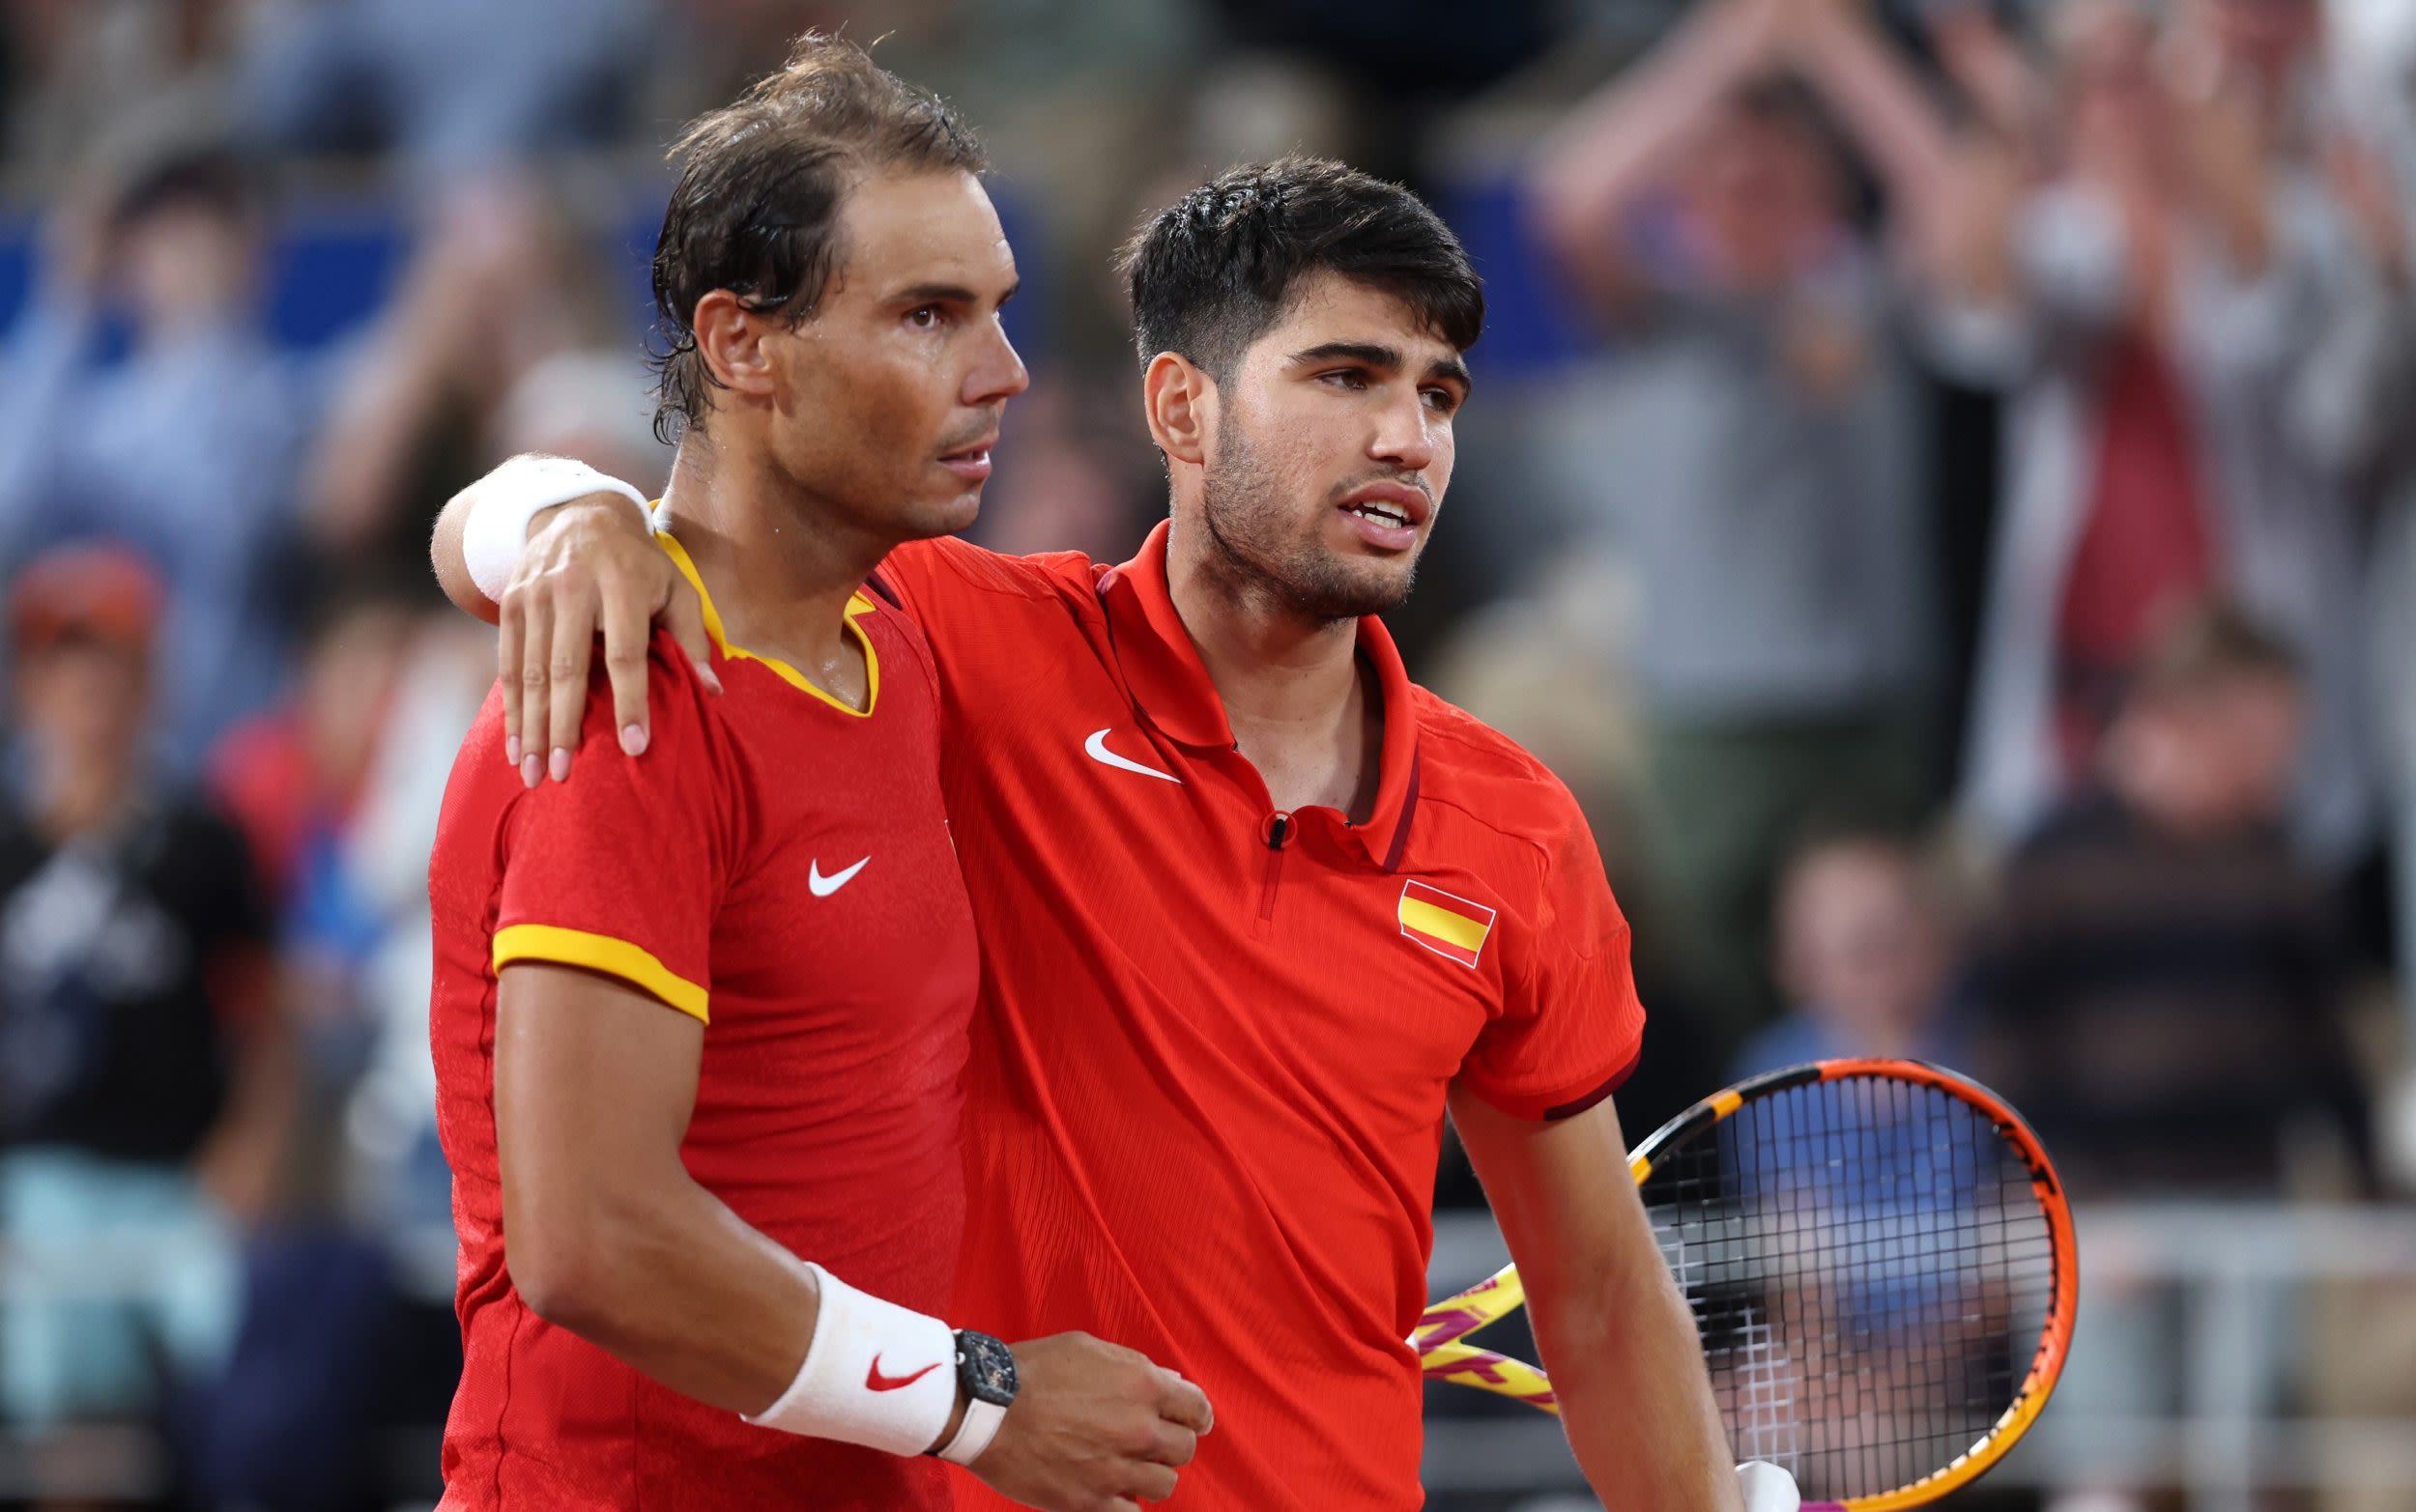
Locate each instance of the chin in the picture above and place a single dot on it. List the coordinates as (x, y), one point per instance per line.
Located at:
(945, 517)
(1349, 591)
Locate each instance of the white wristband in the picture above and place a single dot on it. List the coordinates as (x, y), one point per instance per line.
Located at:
(1767, 1487)
(511, 495)
(877, 1374)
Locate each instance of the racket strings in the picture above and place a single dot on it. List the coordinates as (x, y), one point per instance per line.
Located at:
(1871, 1272)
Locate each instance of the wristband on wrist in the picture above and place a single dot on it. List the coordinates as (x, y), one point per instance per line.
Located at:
(876, 1374)
(512, 495)
(1767, 1487)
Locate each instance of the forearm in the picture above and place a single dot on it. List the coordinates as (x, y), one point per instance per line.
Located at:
(1615, 1335)
(671, 1282)
(1628, 1373)
(1996, 76)
(1610, 148)
(1893, 122)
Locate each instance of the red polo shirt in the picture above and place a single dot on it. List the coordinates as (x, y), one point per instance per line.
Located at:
(1207, 1083)
(777, 867)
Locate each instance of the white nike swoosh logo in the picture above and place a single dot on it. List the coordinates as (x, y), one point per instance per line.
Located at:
(824, 886)
(1096, 748)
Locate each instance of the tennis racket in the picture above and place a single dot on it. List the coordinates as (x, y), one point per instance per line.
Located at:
(1879, 1261)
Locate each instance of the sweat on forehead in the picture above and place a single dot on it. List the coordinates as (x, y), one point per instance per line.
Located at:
(1214, 271)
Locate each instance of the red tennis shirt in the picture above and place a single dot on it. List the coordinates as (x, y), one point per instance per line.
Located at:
(1206, 1092)
(776, 866)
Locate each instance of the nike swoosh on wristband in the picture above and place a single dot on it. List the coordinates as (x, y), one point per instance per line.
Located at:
(875, 1381)
(1096, 748)
(823, 886)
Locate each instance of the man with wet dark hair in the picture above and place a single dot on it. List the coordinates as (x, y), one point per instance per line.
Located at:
(698, 1025)
(1256, 909)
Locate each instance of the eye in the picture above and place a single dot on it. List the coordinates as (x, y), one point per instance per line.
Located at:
(1441, 400)
(1347, 378)
(926, 317)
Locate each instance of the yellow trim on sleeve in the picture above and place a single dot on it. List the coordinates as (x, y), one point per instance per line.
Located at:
(857, 605)
(1453, 929)
(549, 942)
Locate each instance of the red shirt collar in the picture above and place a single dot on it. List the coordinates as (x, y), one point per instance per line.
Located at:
(1171, 688)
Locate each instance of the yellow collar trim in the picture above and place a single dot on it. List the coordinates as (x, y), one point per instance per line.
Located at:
(857, 605)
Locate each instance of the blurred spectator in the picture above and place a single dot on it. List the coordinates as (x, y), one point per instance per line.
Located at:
(339, 787)
(1863, 947)
(448, 84)
(503, 281)
(2159, 986)
(141, 1069)
(342, 784)
(185, 448)
(2185, 316)
(1761, 468)
(2378, 63)
(79, 68)
(595, 406)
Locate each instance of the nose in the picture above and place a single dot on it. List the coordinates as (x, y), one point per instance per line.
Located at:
(998, 373)
(1404, 437)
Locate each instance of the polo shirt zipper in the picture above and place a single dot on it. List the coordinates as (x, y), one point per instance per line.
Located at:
(1279, 830)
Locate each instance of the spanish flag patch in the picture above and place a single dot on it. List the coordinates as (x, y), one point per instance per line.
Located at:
(1445, 923)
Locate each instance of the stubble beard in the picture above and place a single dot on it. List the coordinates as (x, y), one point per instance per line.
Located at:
(1245, 505)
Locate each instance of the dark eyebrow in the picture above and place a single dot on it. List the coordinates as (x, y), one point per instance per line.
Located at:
(1454, 370)
(948, 294)
(1369, 353)
(1376, 354)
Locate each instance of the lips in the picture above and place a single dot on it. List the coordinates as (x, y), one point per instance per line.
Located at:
(1391, 506)
(970, 463)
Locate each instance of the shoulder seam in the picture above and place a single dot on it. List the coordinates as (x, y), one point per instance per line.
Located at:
(1034, 581)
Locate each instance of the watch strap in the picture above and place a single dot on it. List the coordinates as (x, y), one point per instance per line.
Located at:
(973, 1434)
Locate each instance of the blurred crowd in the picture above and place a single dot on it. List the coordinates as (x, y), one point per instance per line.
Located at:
(1941, 491)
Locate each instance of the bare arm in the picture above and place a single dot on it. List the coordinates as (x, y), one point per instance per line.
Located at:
(359, 470)
(1895, 124)
(1618, 141)
(1997, 78)
(1613, 1330)
(610, 1237)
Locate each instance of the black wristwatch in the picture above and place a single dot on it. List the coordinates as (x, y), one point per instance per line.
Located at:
(985, 1375)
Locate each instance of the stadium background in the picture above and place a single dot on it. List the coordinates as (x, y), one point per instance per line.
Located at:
(279, 275)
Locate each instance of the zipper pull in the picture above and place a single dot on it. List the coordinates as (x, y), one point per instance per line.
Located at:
(1279, 830)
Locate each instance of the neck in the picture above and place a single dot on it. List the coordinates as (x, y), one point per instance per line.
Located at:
(779, 561)
(1270, 664)
(79, 793)
(1291, 685)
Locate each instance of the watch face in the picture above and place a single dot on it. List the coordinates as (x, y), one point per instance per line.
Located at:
(987, 1368)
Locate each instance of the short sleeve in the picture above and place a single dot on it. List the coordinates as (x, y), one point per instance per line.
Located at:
(621, 869)
(1571, 1028)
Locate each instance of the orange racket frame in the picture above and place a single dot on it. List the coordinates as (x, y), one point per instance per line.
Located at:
(1440, 1337)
